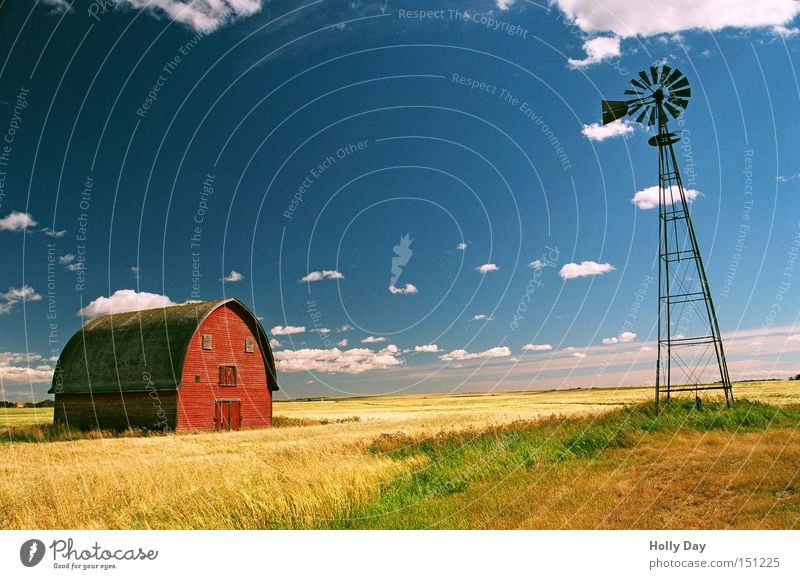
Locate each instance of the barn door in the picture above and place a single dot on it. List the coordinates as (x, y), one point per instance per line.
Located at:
(228, 414)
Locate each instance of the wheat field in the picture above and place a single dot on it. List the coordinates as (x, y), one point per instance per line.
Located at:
(294, 476)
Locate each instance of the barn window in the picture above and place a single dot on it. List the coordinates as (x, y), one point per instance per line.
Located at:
(248, 345)
(227, 375)
(206, 341)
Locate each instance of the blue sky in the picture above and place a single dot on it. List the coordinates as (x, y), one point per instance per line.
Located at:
(280, 152)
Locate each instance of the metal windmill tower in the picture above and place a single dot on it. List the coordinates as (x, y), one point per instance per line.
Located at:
(690, 353)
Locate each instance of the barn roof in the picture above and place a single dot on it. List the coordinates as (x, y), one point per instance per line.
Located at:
(140, 351)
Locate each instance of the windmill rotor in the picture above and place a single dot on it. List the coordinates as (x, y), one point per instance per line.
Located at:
(658, 93)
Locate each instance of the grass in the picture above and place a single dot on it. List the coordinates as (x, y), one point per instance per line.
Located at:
(10, 417)
(458, 462)
(452, 461)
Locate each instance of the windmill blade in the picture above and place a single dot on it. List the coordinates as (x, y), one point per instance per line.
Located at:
(673, 110)
(676, 74)
(652, 120)
(643, 76)
(679, 84)
(638, 84)
(613, 110)
(654, 74)
(665, 70)
(683, 92)
(682, 103)
(641, 117)
(631, 91)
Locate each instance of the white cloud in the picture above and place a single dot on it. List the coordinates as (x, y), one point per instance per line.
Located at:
(459, 355)
(287, 330)
(15, 296)
(233, 277)
(58, 6)
(274, 343)
(406, 289)
(649, 198)
(537, 347)
(321, 275)
(788, 178)
(598, 132)
(623, 338)
(203, 16)
(784, 31)
(321, 330)
(373, 340)
(342, 343)
(66, 259)
(487, 267)
(597, 50)
(125, 300)
(480, 317)
(462, 246)
(18, 368)
(344, 328)
(16, 221)
(429, 348)
(504, 4)
(536, 264)
(793, 338)
(579, 355)
(625, 18)
(334, 360)
(585, 268)
(53, 232)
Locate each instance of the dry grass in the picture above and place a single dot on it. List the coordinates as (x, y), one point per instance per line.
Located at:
(313, 468)
(10, 417)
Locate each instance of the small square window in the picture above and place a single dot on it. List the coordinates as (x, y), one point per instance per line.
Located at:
(197, 377)
(206, 341)
(248, 345)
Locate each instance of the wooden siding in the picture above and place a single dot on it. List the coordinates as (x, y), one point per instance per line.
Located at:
(229, 329)
(151, 410)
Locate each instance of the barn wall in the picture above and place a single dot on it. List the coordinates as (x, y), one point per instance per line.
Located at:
(150, 410)
(196, 399)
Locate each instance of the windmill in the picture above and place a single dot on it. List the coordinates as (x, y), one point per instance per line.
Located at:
(690, 352)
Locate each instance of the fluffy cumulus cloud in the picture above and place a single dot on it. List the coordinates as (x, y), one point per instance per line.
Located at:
(649, 198)
(338, 361)
(537, 347)
(623, 338)
(321, 275)
(373, 340)
(598, 132)
(14, 296)
(406, 289)
(17, 221)
(504, 4)
(126, 300)
(18, 368)
(583, 269)
(203, 16)
(487, 267)
(233, 277)
(597, 50)
(460, 355)
(287, 330)
(626, 19)
(428, 348)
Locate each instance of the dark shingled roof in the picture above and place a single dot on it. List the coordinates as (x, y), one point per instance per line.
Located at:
(140, 351)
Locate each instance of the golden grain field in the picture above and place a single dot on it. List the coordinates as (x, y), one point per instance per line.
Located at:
(282, 477)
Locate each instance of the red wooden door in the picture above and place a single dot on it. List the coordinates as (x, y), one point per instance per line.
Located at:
(228, 414)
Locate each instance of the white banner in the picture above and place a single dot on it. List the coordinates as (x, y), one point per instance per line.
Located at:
(400, 554)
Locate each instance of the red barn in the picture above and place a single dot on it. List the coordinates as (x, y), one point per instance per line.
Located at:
(200, 366)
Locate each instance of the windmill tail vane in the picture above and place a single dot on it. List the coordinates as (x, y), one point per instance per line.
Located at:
(691, 356)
